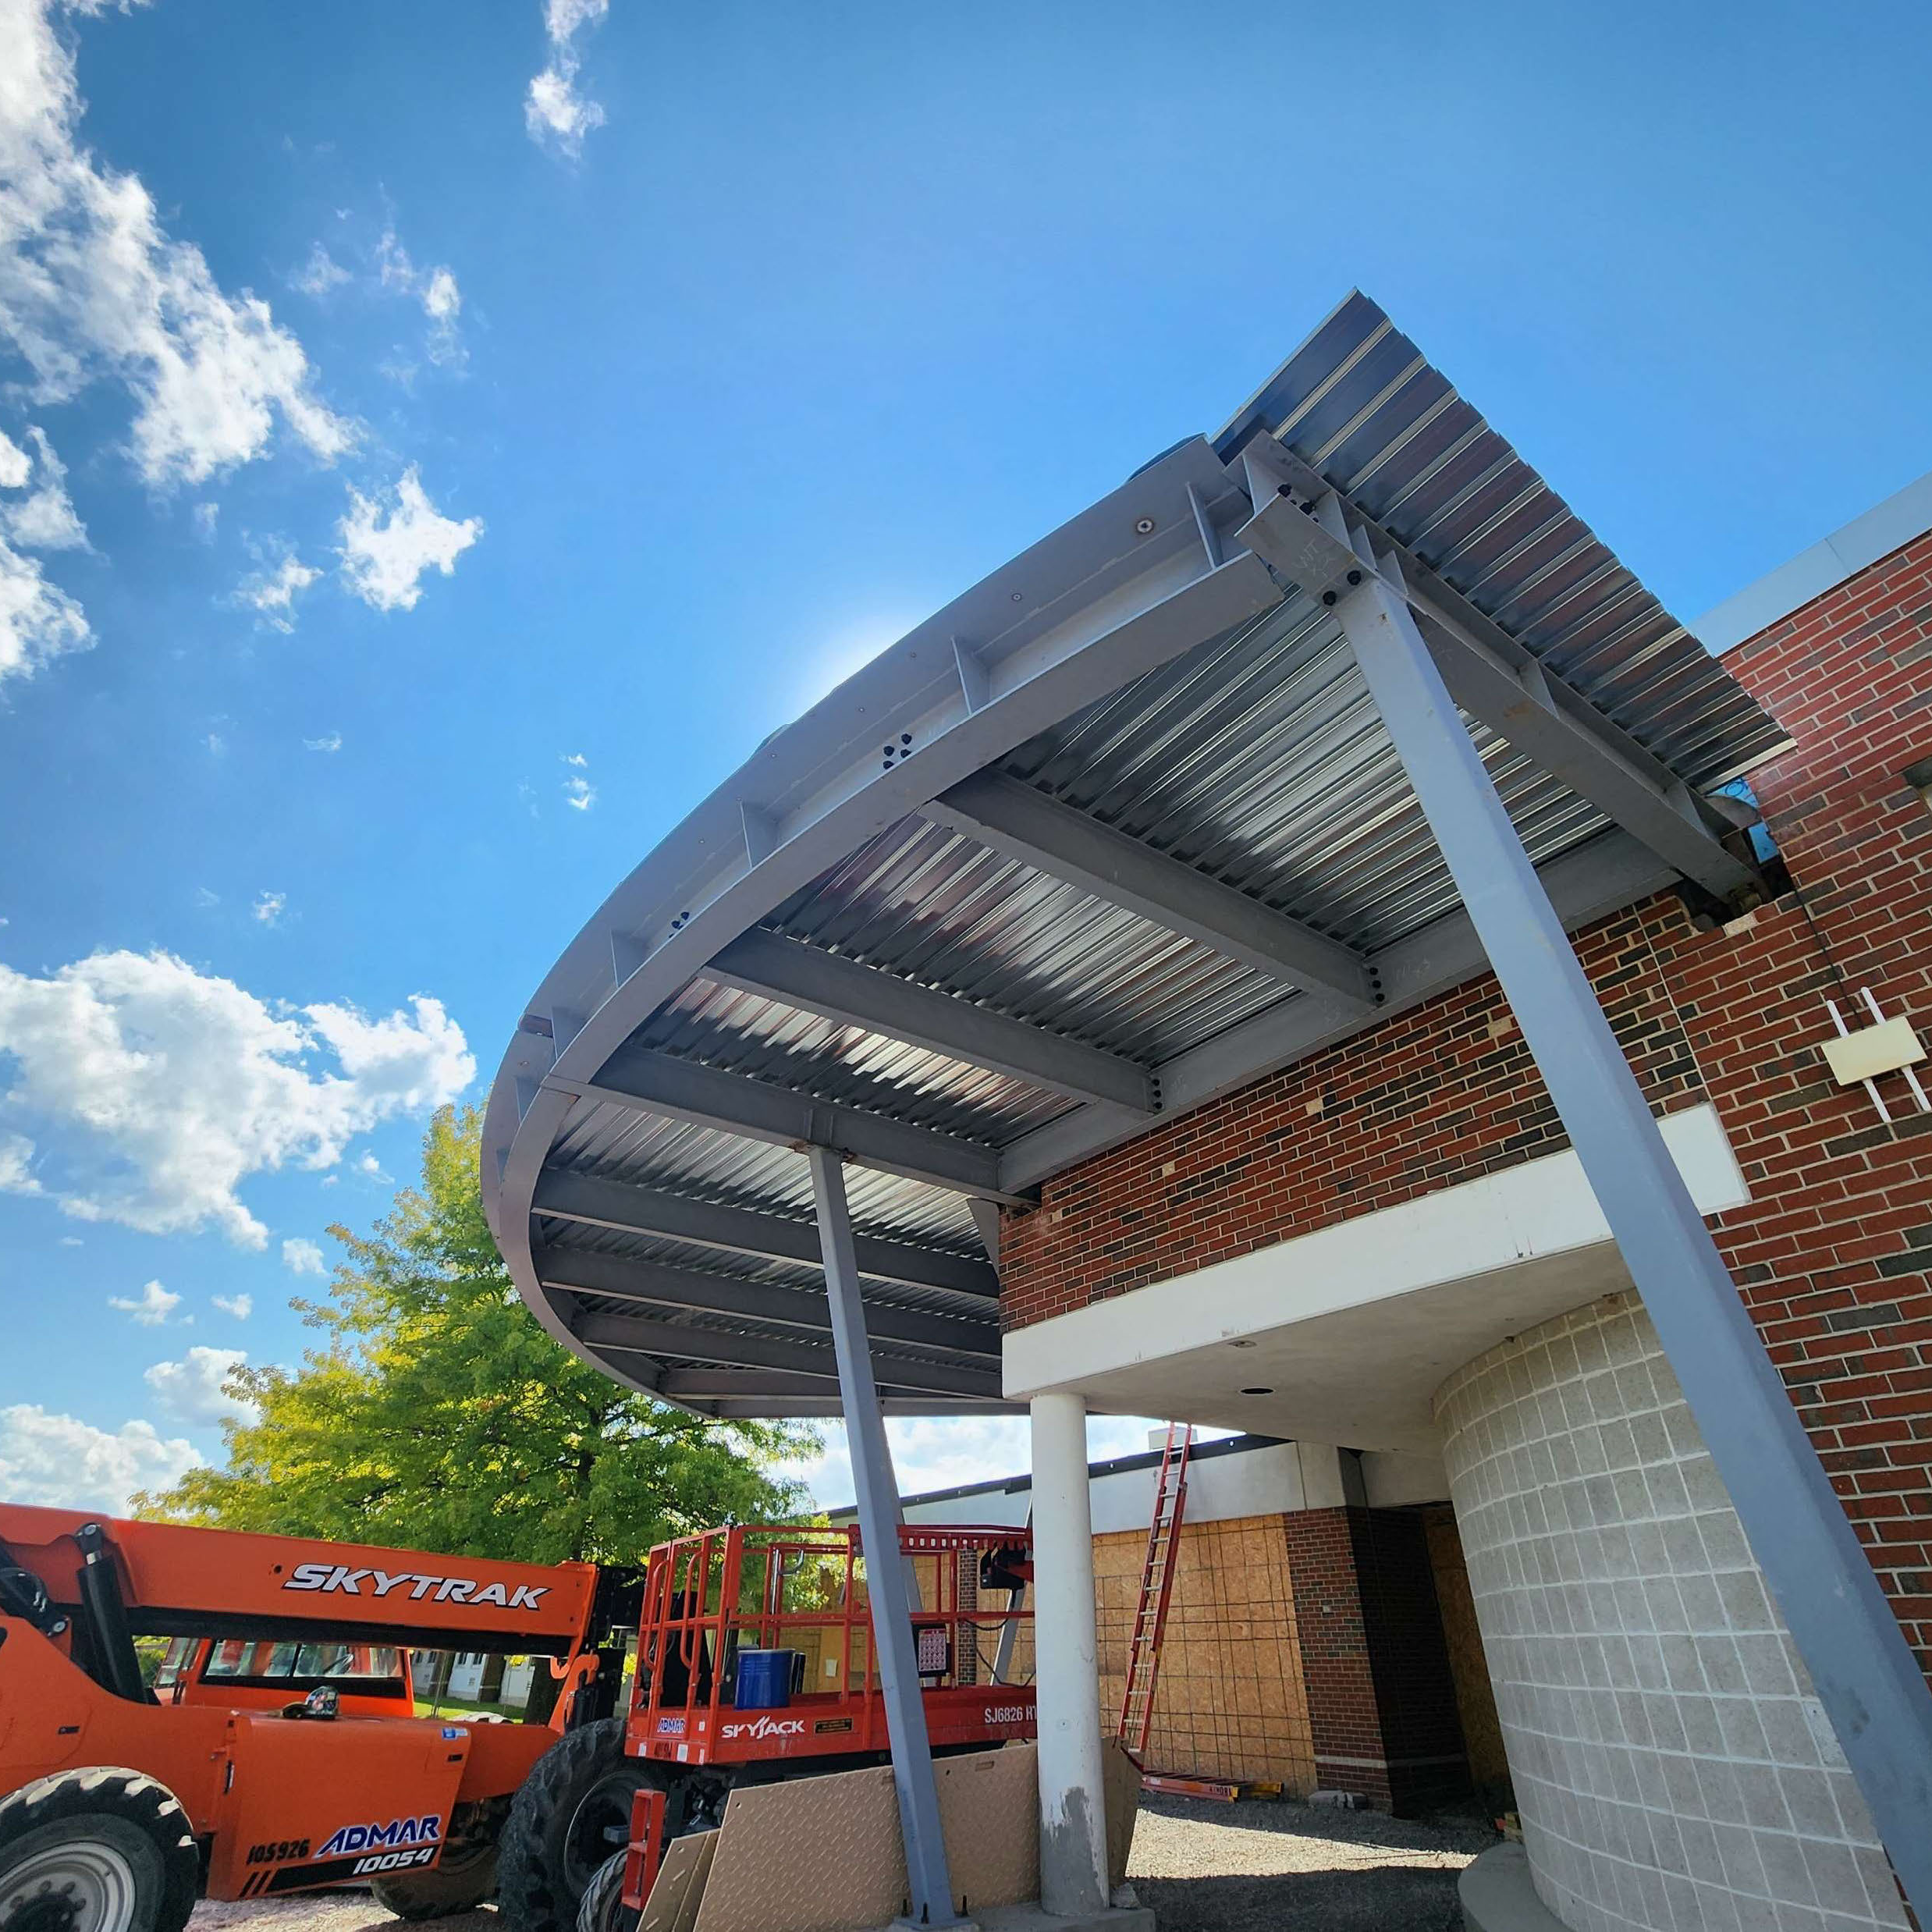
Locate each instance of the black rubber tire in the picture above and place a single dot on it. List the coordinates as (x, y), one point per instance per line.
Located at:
(561, 1824)
(603, 1908)
(465, 1876)
(124, 1812)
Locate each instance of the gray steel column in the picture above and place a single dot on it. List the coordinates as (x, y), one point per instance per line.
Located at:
(877, 1490)
(1863, 1670)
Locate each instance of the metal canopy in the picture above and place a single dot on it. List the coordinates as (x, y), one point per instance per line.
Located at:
(1117, 832)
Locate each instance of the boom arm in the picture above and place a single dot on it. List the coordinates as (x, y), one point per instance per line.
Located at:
(179, 1581)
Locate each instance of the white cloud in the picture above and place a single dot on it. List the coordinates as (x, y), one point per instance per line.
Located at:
(17, 1156)
(266, 910)
(329, 741)
(207, 516)
(271, 591)
(555, 114)
(387, 546)
(435, 288)
(579, 792)
(241, 1306)
(92, 287)
(369, 1164)
(44, 518)
(48, 1459)
(39, 621)
(153, 1307)
(320, 274)
(193, 1390)
(302, 1257)
(163, 1088)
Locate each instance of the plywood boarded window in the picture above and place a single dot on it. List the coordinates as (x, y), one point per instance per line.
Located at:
(1229, 1701)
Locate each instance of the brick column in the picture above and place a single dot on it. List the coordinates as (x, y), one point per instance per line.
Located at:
(1381, 1698)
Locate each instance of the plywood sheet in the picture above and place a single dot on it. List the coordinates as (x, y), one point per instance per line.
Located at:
(825, 1855)
(679, 1884)
(812, 1855)
(1120, 1800)
(1475, 1700)
(1229, 1701)
(989, 1810)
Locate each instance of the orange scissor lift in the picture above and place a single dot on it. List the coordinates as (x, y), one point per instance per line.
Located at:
(712, 1600)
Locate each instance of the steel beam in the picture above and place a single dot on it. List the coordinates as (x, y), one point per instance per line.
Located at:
(1864, 1672)
(928, 1879)
(617, 1278)
(599, 1203)
(1598, 878)
(1494, 678)
(810, 978)
(1069, 844)
(806, 1394)
(674, 1089)
(806, 1408)
(638, 1336)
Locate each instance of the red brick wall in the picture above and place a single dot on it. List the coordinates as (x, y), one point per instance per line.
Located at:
(1381, 1699)
(1345, 1724)
(1441, 1094)
(1834, 1255)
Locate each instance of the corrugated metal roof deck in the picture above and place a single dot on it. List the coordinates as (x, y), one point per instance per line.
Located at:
(1015, 812)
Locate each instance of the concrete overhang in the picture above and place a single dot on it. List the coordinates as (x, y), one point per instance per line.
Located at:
(1349, 1330)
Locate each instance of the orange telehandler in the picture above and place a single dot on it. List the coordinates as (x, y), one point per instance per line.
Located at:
(280, 1752)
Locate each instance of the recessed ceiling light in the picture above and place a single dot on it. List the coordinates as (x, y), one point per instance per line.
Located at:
(1257, 1391)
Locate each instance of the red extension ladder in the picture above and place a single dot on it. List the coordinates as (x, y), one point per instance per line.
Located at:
(1157, 1583)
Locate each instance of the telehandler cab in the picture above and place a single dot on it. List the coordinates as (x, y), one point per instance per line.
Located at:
(282, 1753)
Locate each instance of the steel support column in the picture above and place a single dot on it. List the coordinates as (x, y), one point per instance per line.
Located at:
(1859, 1663)
(929, 1884)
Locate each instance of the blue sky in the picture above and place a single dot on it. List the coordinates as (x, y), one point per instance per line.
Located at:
(709, 349)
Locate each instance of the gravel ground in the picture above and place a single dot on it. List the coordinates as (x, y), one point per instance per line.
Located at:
(324, 1912)
(1254, 1867)
(1260, 1864)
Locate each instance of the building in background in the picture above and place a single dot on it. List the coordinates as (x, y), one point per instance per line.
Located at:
(1237, 1682)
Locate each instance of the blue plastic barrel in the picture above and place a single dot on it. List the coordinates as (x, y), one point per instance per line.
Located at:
(765, 1679)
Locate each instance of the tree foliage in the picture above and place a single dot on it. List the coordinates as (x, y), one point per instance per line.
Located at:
(437, 1414)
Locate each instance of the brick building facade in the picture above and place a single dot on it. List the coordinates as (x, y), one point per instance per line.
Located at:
(1832, 1254)
(1671, 1762)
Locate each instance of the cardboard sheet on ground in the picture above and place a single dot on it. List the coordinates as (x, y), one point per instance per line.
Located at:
(824, 1854)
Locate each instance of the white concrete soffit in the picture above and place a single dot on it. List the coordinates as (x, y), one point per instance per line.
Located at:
(1603, 721)
(1357, 1310)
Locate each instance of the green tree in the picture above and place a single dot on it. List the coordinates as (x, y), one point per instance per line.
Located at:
(438, 1414)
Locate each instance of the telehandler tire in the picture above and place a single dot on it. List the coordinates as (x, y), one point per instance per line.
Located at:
(463, 1878)
(97, 1850)
(603, 1908)
(572, 1811)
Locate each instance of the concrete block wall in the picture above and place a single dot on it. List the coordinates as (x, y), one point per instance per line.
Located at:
(1672, 1767)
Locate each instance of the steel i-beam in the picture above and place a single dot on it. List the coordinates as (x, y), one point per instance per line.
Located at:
(928, 1879)
(1860, 1665)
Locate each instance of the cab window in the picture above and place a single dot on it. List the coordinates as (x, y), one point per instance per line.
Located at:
(373, 1669)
